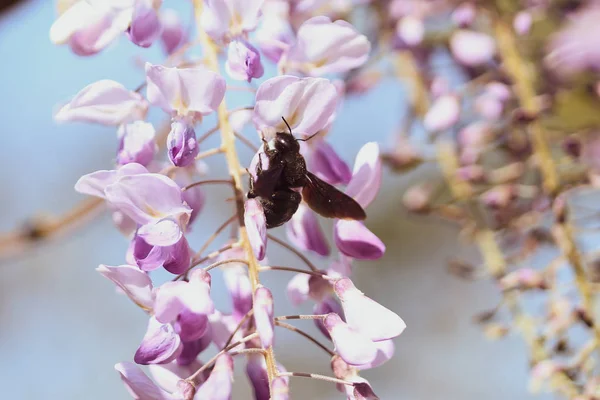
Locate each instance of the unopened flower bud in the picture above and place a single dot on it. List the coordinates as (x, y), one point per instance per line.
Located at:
(137, 143)
(185, 390)
(522, 22)
(145, 25)
(472, 48)
(524, 279)
(263, 316)
(173, 33)
(464, 14)
(181, 143)
(418, 198)
(243, 61)
(443, 113)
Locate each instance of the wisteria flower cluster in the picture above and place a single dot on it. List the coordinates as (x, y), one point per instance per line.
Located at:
(156, 188)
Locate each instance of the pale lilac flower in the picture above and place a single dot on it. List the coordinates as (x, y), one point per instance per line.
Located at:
(326, 306)
(464, 14)
(324, 47)
(256, 225)
(385, 351)
(182, 147)
(219, 384)
(240, 119)
(354, 347)
(186, 305)
(145, 25)
(472, 48)
(139, 385)
(160, 344)
(136, 143)
(304, 231)
(298, 289)
(173, 34)
(170, 376)
(136, 284)
(366, 315)
(256, 369)
(222, 327)
(306, 103)
(238, 283)
(174, 258)
(522, 22)
(224, 20)
(411, 30)
(576, 47)
(191, 349)
(88, 26)
(355, 240)
(327, 164)
(273, 36)
(184, 91)
(363, 391)
(155, 202)
(263, 316)
(104, 102)
(93, 184)
(443, 113)
(243, 61)
(281, 389)
(366, 175)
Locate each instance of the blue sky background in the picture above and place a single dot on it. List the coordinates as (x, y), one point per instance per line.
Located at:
(63, 327)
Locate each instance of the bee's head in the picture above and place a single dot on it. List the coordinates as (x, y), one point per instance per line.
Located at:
(285, 141)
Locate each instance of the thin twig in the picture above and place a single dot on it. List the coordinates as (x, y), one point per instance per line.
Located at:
(306, 335)
(316, 376)
(298, 270)
(208, 182)
(239, 326)
(306, 316)
(224, 262)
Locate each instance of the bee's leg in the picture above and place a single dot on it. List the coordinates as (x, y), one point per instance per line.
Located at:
(251, 193)
(259, 169)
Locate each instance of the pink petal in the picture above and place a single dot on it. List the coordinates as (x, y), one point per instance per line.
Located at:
(193, 348)
(165, 232)
(168, 375)
(173, 33)
(366, 175)
(239, 288)
(281, 389)
(363, 391)
(263, 316)
(145, 25)
(243, 61)
(138, 384)
(354, 347)
(306, 103)
(326, 306)
(136, 284)
(147, 257)
(137, 143)
(184, 90)
(385, 351)
(443, 113)
(297, 289)
(226, 19)
(304, 231)
(182, 146)
(274, 32)
(218, 386)
(472, 48)
(355, 240)
(160, 344)
(324, 47)
(327, 165)
(256, 225)
(148, 198)
(178, 257)
(94, 184)
(104, 102)
(191, 326)
(366, 315)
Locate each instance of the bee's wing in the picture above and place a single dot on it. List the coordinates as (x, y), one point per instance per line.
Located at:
(330, 202)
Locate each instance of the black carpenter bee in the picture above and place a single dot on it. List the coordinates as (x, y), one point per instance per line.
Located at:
(278, 186)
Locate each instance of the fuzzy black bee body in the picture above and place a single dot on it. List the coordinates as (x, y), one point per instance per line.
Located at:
(278, 186)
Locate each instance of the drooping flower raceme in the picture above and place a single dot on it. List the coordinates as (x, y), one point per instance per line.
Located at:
(154, 193)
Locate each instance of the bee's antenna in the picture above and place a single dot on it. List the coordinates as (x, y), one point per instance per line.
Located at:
(288, 125)
(308, 138)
